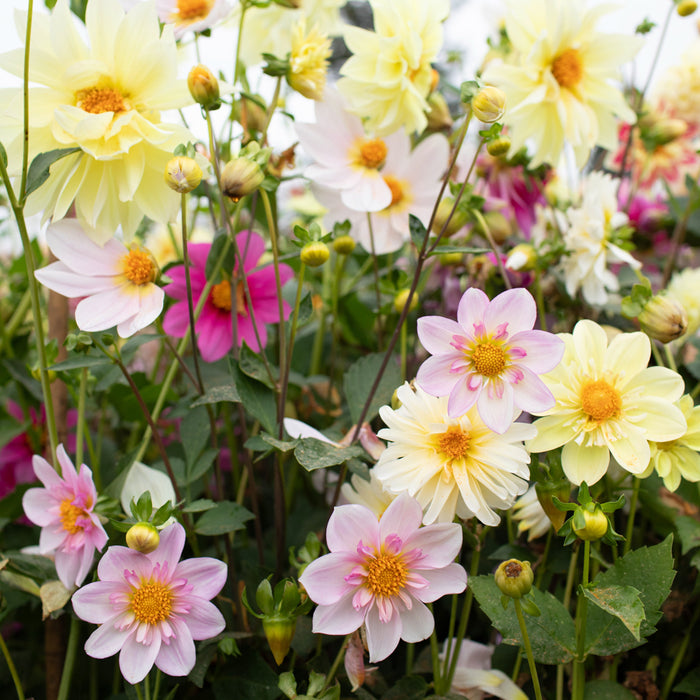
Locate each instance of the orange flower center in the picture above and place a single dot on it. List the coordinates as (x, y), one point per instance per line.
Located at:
(489, 359)
(396, 189)
(194, 9)
(98, 100)
(221, 295)
(600, 401)
(453, 443)
(152, 603)
(68, 514)
(567, 68)
(386, 575)
(371, 153)
(139, 267)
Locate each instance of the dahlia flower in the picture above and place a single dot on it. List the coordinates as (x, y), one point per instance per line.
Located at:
(116, 284)
(64, 509)
(683, 287)
(452, 466)
(381, 573)
(308, 61)
(213, 327)
(678, 90)
(489, 357)
(104, 98)
(389, 75)
(530, 515)
(558, 78)
(191, 15)
(607, 402)
(151, 607)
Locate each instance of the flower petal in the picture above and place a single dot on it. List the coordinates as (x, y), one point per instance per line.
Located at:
(446, 581)
(417, 623)
(587, 464)
(324, 578)
(348, 526)
(204, 619)
(92, 602)
(206, 574)
(106, 640)
(436, 334)
(178, 657)
(382, 637)
(136, 659)
(339, 618)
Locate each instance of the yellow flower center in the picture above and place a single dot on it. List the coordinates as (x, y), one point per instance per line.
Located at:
(68, 514)
(98, 100)
(152, 603)
(489, 359)
(221, 295)
(139, 267)
(396, 189)
(453, 443)
(386, 575)
(371, 153)
(599, 400)
(194, 9)
(567, 68)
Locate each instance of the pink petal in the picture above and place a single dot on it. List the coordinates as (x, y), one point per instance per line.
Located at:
(206, 574)
(92, 604)
(37, 504)
(72, 567)
(178, 657)
(349, 525)
(150, 305)
(446, 581)
(60, 278)
(136, 660)
(543, 350)
(464, 395)
(72, 246)
(204, 619)
(402, 517)
(106, 641)
(471, 309)
(339, 618)
(198, 252)
(436, 334)
(439, 543)
(46, 474)
(382, 637)
(176, 320)
(52, 537)
(251, 247)
(118, 559)
(417, 623)
(106, 309)
(495, 411)
(172, 542)
(324, 578)
(214, 334)
(514, 307)
(531, 393)
(435, 376)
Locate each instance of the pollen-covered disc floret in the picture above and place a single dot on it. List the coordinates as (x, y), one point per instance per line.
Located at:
(381, 573)
(151, 606)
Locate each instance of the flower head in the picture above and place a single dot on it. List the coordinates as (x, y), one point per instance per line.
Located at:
(489, 357)
(451, 465)
(530, 515)
(105, 100)
(151, 607)
(558, 78)
(116, 283)
(191, 15)
(308, 61)
(683, 287)
(607, 402)
(213, 327)
(381, 573)
(64, 509)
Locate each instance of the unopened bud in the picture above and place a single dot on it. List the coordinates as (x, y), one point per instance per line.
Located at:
(521, 258)
(434, 79)
(439, 117)
(450, 259)
(667, 130)
(182, 174)
(498, 147)
(143, 537)
(241, 176)
(344, 245)
(314, 254)
(514, 578)
(663, 318)
(499, 227)
(452, 225)
(402, 297)
(489, 104)
(204, 87)
(279, 632)
(595, 523)
(686, 7)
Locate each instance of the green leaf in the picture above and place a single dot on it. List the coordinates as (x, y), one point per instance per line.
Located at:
(39, 168)
(215, 251)
(417, 230)
(195, 431)
(80, 361)
(621, 601)
(201, 466)
(356, 321)
(219, 394)
(250, 676)
(259, 401)
(199, 506)
(252, 365)
(689, 532)
(606, 690)
(690, 684)
(316, 454)
(552, 634)
(359, 379)
(650, 571)
(3, 154)
(225, 517)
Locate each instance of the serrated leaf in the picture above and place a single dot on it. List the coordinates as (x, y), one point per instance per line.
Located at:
(39, 168)
(218, 394)
(54, 595)
(417, 230)
(359, 379)
(316, 454)
(688, 532)
(607, 690)
(227, 516)
(215, 251)
(195, 431)
(199, 506)
(252, 365)
(622, 602)
(552, 634)
(259, 401)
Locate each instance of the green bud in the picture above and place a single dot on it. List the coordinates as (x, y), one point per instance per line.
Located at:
(686, 7)
(590, 524)
(344, 245)
(279, 632)
(663, 318)
(241, 176)
(514, 578)
(401, 298)
(314, 254)
(489, 104)
(143, 537)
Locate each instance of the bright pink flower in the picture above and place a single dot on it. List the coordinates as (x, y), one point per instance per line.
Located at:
(70, 529)
(381, 573)
(489, 356)
(213, 327)
(151, 607)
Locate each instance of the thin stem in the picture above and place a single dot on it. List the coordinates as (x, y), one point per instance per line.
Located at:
(680, 654)
(579, 678)
(435, 656)
(377, 292)
(336, 663)
(80, 427)
(630, 522)
(494, 248)
(69, 662)
(528, 649)
(25, 104)
(271, 110)
(13, 669)
(156, 689)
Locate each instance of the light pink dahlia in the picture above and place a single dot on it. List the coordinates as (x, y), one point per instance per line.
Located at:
(70, 529)
(151, 607)
(381, 573)
(490, 356)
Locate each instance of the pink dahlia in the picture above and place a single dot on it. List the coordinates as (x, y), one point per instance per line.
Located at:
(489, 356)
(213, 327)
(64, 509)
(151, 607)
(381, 573)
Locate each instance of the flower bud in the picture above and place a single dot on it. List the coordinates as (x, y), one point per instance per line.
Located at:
(686, 7)
(596, 523)
(663, 318)
(521, 258)
(204, 87)
(344, 245)
(434, 79)
(514, 578)
(450, 259)
(314, 254)
(279, 632)
(498, 147)
(499, 227)
(182, 174)
(457, 221)
(241, 176)
(439, 117)
(666, 130)
(401, 298)
(489, 104)
(143, 537)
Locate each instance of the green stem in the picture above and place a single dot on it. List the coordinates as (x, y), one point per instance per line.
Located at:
(15, 321)
(680, 654)
(630, 522)
(25, 105)
(11, 666)
(336, 663)
(377, 292)
(80, 427)
(271, 110)
(579, 677)
(69, 662)
(404, 350)
(528, 649)
(435, 656)
(516, 666)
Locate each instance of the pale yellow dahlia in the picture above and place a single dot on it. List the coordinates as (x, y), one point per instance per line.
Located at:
(679, 458)
(308, 61)
(559, 78)
(389, 76)
(607, 402)
(683, 287)
(104, 98)
(678, 91)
